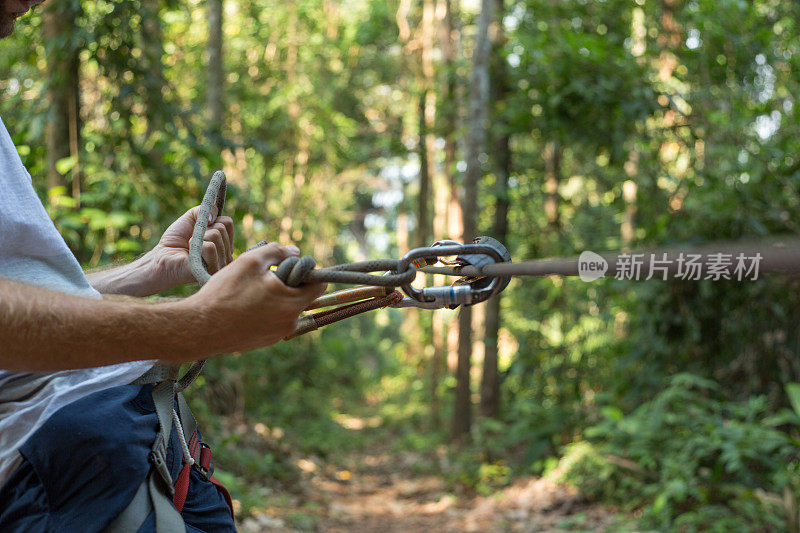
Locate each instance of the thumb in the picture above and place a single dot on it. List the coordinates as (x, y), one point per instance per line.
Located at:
(270, 255)
(192, 214)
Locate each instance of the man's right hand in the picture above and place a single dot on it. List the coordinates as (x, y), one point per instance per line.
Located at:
(247, 306)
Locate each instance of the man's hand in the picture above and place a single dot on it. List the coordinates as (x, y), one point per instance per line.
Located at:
(170, 257)
(247, 303)
(167, 265)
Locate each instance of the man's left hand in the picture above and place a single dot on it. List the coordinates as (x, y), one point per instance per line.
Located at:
(170, 257)
(167, 265)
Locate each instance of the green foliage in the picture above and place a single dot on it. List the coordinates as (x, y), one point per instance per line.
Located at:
(693, 460)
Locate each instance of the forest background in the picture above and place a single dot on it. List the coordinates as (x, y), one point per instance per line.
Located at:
(359, 129)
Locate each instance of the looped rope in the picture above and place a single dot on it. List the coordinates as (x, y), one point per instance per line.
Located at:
(191, 374)
(215, 195)
(294, 271)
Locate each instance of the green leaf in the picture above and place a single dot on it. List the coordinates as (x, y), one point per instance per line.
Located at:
(612, 413)
(793, 390)
(65, 165)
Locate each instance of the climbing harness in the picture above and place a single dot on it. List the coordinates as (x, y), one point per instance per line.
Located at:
(158, 493)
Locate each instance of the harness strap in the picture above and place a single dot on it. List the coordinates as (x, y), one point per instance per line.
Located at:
(157, 374)
(163, 397)
(200, 454)
(225, 494)
(152, 494)
(187, 420)
(134, 515)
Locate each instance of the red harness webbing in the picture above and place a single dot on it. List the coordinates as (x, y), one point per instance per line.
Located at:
(204, 462)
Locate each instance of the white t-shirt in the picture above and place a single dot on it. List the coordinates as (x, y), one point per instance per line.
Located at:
(33, 252)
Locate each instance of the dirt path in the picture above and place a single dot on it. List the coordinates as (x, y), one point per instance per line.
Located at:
(379, 492)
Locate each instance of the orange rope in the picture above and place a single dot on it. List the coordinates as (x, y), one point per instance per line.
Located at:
(329, 316)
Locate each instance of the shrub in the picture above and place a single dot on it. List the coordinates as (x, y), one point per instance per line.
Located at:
(692, 461)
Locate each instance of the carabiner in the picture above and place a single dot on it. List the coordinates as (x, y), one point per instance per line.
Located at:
(485, 250)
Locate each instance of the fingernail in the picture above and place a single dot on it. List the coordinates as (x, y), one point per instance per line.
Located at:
(210, 218)
(293, 249)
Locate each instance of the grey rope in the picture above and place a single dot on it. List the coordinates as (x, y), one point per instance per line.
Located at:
(294, 271)
(215, 194)
(779, 255)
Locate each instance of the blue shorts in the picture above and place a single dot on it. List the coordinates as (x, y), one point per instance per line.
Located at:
(83, 466)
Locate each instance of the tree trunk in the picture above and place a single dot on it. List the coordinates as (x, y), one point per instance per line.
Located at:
(490, 383)
(153, 47)
(476, 149)
(446, 206)
(450, 38)
(62, 132)
(450, 108)
(293, 109)
(552, 174)
(216, 76)
(427, 118)
(424, 196)
(430, 186)
(629, 192)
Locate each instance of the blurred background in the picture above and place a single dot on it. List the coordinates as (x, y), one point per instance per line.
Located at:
(358, 129)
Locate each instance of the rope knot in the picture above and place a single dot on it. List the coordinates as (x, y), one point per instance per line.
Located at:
(293, 270)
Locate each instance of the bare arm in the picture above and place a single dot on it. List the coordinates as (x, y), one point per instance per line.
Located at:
(132, 279)
(243, 307)
(47, 330)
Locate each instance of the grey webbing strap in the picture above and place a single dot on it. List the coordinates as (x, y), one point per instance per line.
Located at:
(152, 494)
(148, 498)
(135, 514)
(157, 374)
(163, 398)
(161, 372)
(168, 519)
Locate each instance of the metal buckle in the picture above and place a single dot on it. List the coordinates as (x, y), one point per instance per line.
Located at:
(465, 292)
(203, 471)
(157, 458)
